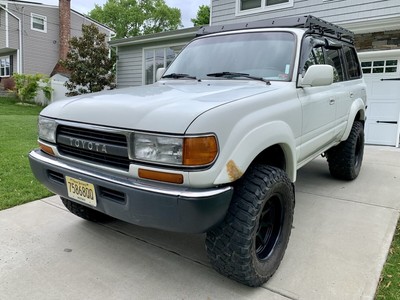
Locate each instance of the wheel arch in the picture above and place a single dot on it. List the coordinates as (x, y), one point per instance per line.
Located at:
(278, 149)
(357, 113)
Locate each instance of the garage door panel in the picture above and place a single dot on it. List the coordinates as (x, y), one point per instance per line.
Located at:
(384, 89)
(381, 134)
(383, 110)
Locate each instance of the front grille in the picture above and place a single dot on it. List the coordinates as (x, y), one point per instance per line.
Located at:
(100, 147)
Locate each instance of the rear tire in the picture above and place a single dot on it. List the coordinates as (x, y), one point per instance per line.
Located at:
(85, 212)
(249, 244)
(346, 158)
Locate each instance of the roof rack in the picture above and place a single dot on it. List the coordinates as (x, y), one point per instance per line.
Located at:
(311, 23)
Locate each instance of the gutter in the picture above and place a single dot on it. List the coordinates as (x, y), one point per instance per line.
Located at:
(143, 39)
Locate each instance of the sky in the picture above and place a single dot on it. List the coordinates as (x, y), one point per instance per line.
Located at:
(188, 7)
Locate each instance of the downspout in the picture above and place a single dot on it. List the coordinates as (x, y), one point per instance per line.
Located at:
(19, 50)
(211, 10)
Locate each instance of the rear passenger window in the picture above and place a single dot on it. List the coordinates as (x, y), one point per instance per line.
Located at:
(332, 57)
(352, 64)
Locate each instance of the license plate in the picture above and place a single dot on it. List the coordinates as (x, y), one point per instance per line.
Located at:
(81, 191)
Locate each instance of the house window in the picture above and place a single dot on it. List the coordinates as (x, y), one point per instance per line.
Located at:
(257, 5)
(5, 69)
(158, 58)
(379, 66)
(38, 23)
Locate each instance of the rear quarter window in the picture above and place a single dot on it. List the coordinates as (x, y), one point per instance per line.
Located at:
(352, 64)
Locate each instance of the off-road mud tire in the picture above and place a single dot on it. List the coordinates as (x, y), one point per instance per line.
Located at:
(346, 158)
(262, 207)
(85, 212)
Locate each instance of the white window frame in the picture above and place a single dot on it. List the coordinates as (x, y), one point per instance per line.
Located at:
(165, 58)
(7, 58)
(44, 18)
(384, 67)
(263, 7)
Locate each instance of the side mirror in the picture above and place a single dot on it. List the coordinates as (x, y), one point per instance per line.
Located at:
(317, 75)
(160, 72)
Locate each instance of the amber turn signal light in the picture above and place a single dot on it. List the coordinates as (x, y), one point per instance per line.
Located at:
(161, 176)
(46, 149)
(199, 151)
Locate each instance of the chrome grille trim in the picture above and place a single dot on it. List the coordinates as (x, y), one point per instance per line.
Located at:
(94, 144)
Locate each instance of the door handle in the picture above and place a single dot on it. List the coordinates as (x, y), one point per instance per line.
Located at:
(331, 101)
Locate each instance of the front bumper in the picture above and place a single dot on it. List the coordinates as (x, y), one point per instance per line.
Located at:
(162, 206)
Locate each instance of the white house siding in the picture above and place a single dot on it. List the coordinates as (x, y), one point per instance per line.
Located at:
(129, 66)
(224, 11)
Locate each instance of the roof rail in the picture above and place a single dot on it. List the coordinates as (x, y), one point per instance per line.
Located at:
(311, 23)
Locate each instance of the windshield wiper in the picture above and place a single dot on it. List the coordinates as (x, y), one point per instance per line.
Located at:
(178, 75)
(236, 74)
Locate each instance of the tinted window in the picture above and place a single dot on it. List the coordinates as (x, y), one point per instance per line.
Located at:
(352, 64)
(332, 57)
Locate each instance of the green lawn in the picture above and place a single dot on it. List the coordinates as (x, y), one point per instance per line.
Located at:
(389, 286)
(18, 135)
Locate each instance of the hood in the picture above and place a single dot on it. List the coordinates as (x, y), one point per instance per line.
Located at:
(167, 106)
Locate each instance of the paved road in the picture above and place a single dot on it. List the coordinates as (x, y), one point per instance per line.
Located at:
(341, 236)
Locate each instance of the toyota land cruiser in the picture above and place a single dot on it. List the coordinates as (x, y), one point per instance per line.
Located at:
(214, 146)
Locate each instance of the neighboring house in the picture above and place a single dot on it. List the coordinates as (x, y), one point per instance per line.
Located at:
(376, 24)
(34, 36)
(139, 57)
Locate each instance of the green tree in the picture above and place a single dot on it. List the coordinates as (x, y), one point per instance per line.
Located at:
(137, 17)
(88, 61)
(202, 17)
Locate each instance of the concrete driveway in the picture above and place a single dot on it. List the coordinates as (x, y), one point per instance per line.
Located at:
(341, 236)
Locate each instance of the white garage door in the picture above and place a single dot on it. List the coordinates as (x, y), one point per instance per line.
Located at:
(382, 76)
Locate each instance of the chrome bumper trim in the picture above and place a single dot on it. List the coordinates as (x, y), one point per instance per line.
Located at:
(183, 192)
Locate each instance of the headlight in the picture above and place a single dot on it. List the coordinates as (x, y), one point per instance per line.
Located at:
(47, 129)
(187, 151)
(158, 148)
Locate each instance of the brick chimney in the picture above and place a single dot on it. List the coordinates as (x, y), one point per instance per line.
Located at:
(64, 10)
(64, 7)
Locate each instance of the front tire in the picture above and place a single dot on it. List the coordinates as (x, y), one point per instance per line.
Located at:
(346, 158)
(249, 244)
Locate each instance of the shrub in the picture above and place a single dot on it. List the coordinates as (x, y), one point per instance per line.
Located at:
(28, 85)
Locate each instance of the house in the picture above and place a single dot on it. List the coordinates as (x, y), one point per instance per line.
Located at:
(34, 36)
(376, 24)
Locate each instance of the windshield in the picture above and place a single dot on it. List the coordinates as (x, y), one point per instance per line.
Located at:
(267, 55)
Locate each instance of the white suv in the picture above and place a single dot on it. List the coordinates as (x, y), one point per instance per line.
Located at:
(215, 144)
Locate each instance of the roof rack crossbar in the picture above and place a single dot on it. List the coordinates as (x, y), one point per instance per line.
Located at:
(311, 23)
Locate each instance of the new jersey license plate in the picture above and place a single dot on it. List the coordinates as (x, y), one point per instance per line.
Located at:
(81, 191)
